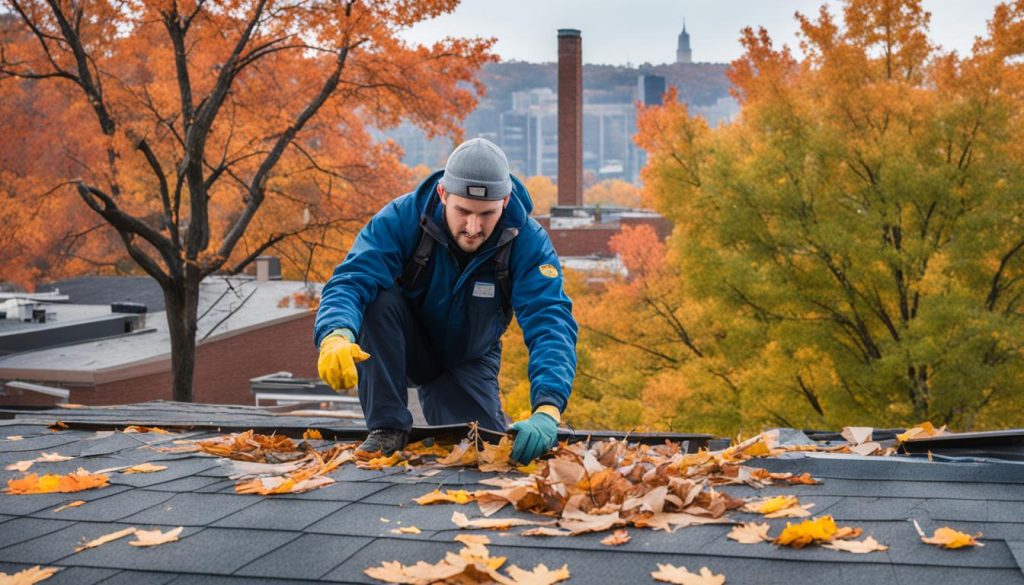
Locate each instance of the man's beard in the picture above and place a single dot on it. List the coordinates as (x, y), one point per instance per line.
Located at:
(470, 245)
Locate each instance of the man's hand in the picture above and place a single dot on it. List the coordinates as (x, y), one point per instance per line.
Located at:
(535, 435)
(337, 363)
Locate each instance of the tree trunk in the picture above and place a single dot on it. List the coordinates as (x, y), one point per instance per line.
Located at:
(182, 300)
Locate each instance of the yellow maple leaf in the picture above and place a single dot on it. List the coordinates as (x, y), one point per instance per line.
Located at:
(382, 462)
(920, 431)
(312, 434)
(450, 496)
(769, 505)
(421, 448)
(807, 532)
(681, 576)
(946, 537)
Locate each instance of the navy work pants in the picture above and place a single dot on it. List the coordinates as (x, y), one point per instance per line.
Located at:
(401, 356)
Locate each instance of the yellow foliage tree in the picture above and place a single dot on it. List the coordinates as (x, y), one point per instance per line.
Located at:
(853, 240)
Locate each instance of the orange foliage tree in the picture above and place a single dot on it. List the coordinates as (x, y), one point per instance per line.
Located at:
(203, 133)
(543, 193)
(856, 232)
(613, 192)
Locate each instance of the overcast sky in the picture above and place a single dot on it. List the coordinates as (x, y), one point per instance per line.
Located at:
(638, 31)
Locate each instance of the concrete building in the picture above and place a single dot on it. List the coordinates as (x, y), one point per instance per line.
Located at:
(116, 353)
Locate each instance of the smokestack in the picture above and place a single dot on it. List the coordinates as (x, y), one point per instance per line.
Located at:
(570, 117)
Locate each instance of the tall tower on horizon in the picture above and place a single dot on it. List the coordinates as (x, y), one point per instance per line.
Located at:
(683, 53)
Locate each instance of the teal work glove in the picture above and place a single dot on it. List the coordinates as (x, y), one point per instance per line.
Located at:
(535, 435)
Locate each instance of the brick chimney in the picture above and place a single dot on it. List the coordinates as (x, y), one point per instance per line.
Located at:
(570, 117)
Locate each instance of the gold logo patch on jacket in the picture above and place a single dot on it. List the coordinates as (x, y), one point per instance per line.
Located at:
(548, 270)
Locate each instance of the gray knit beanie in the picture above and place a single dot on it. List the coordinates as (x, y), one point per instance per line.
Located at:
(477, 169)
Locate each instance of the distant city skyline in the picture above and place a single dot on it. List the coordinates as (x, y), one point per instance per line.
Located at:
(648, 29)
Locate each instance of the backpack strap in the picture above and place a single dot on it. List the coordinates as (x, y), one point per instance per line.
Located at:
(503, 280)
(415, 269)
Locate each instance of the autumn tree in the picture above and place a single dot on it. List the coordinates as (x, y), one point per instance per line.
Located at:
(204, 134)
(612, 192)
(857, 230)
(543, 193)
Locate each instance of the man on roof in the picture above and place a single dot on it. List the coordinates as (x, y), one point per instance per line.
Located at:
(423, 298)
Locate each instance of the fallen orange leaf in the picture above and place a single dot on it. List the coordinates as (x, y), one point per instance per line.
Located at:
(472, 539)
(58, 426)
(72, 482)
(804, 478)
(406, 530)
(616, 538)
(920, 431)
(24, 466)
(946, 537)
(21, 466)
(462, 521)
(496, 457)
(546, 531)
(155, 537)
(867, 545)
(106, 538)
(750, 533)
(145, 468)
(540, 575)
(52, 458)
(312, 434)
(141, 429)
(74, 504)
(680, 576)
(28, 576)
(249, 446)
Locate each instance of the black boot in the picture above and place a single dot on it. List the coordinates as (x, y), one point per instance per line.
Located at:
(382, 443)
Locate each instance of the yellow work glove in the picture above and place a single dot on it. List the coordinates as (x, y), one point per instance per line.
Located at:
(337, 362)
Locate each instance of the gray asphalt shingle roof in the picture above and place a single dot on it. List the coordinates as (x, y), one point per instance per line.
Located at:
(335, 533)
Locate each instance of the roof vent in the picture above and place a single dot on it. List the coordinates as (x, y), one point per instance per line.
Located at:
(268, 268)
(128, 307)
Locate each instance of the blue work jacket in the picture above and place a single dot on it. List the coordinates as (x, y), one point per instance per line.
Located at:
(461, 310)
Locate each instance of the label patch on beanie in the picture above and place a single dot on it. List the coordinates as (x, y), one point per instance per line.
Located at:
(549, 271)
(476, 191)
